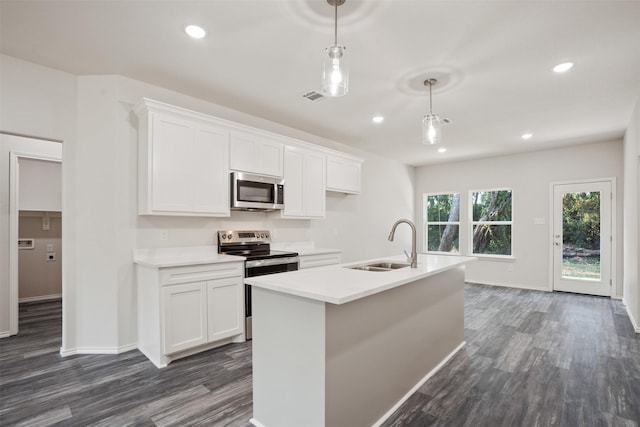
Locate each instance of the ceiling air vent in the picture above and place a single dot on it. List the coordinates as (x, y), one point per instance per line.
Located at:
(313, 96)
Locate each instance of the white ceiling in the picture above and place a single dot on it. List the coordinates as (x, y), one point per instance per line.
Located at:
(494, 59)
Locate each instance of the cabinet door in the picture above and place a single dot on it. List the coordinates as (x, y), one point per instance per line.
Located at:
(172, 157)
(294, 182)
(225, 308)
(211, 171)
(184, 316)
(305, 183)
(255, 154)
(270, 158)
(241, 152)
(343, 175)
(315, 184)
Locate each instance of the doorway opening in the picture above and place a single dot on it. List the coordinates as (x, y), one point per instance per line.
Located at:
(35, 234)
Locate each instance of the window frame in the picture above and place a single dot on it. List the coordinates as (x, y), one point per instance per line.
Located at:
(473, 224)
(426, 223)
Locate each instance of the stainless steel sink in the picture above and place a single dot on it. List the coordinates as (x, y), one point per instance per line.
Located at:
(380, 266)
(389, 265)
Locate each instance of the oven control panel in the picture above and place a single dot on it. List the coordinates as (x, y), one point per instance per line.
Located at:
(251, 236)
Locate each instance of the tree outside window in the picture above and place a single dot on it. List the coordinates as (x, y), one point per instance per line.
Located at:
(442, 222)
(491, 222)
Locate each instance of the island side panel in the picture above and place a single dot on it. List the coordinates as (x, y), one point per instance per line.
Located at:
(381, 346)
(288, 360)
(149, 327)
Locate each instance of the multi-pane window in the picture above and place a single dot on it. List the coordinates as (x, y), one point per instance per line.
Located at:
(442, 222)
(491, 222)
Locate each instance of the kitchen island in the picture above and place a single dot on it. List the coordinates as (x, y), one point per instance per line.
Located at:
(335, 346)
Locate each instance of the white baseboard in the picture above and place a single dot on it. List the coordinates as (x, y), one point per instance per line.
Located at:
(5, 334)
(509, 285)
(634, 322)
(40, 298)
(97, 350)
(415, 387)
(256, 423)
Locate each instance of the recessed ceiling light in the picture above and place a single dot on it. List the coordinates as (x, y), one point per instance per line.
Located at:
(377, 119)
(526, 135)
(563, 68)
(195, 31)
(442, 150)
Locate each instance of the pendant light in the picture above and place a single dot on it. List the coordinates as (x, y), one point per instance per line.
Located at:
(335, 76)
(431, 123)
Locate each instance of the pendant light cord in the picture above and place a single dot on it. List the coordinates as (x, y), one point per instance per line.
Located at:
(430, 103)
(335, 28)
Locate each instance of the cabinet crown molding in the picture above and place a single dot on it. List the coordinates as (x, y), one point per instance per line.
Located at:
(145, 105)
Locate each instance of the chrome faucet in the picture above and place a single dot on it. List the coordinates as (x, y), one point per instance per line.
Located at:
(413, 258)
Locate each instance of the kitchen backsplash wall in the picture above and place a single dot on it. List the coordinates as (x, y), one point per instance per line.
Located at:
(202, 231)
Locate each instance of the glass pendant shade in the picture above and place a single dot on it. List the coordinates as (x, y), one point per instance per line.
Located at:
(431, 129)
(335, 76)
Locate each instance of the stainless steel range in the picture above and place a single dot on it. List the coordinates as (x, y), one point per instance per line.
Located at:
(255, 246)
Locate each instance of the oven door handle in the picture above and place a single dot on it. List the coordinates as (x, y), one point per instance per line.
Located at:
(271, 261)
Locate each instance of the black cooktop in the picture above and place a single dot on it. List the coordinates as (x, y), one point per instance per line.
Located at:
(259, 254)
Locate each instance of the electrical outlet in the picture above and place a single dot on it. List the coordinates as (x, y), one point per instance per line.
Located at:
(164, 235)
(51, 256)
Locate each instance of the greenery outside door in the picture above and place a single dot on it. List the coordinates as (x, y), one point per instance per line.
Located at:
(582, 237)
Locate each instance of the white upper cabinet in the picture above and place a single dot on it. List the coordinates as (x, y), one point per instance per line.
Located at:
(183, 163)
(344, 174)
(305, 183)
(254, 153)
(184, 160)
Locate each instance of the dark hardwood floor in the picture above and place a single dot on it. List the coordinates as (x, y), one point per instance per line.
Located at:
(531, 359)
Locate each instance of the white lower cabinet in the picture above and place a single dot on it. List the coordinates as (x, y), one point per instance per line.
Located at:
(188, 309)
(185, 316)
(224, 308)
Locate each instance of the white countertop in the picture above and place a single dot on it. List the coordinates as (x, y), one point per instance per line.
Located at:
(338, 285)
(317, 251)
(304, 248)
(181, 256)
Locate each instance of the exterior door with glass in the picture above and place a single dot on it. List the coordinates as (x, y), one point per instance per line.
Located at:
(582, 237)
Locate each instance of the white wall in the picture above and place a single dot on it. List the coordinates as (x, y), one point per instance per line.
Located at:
(39, 102)
(529, 176)
(631, 217)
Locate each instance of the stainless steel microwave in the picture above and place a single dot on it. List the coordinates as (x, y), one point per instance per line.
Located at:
(256, 192)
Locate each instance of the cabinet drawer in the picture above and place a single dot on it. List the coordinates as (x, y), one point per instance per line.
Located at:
(174, 275)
